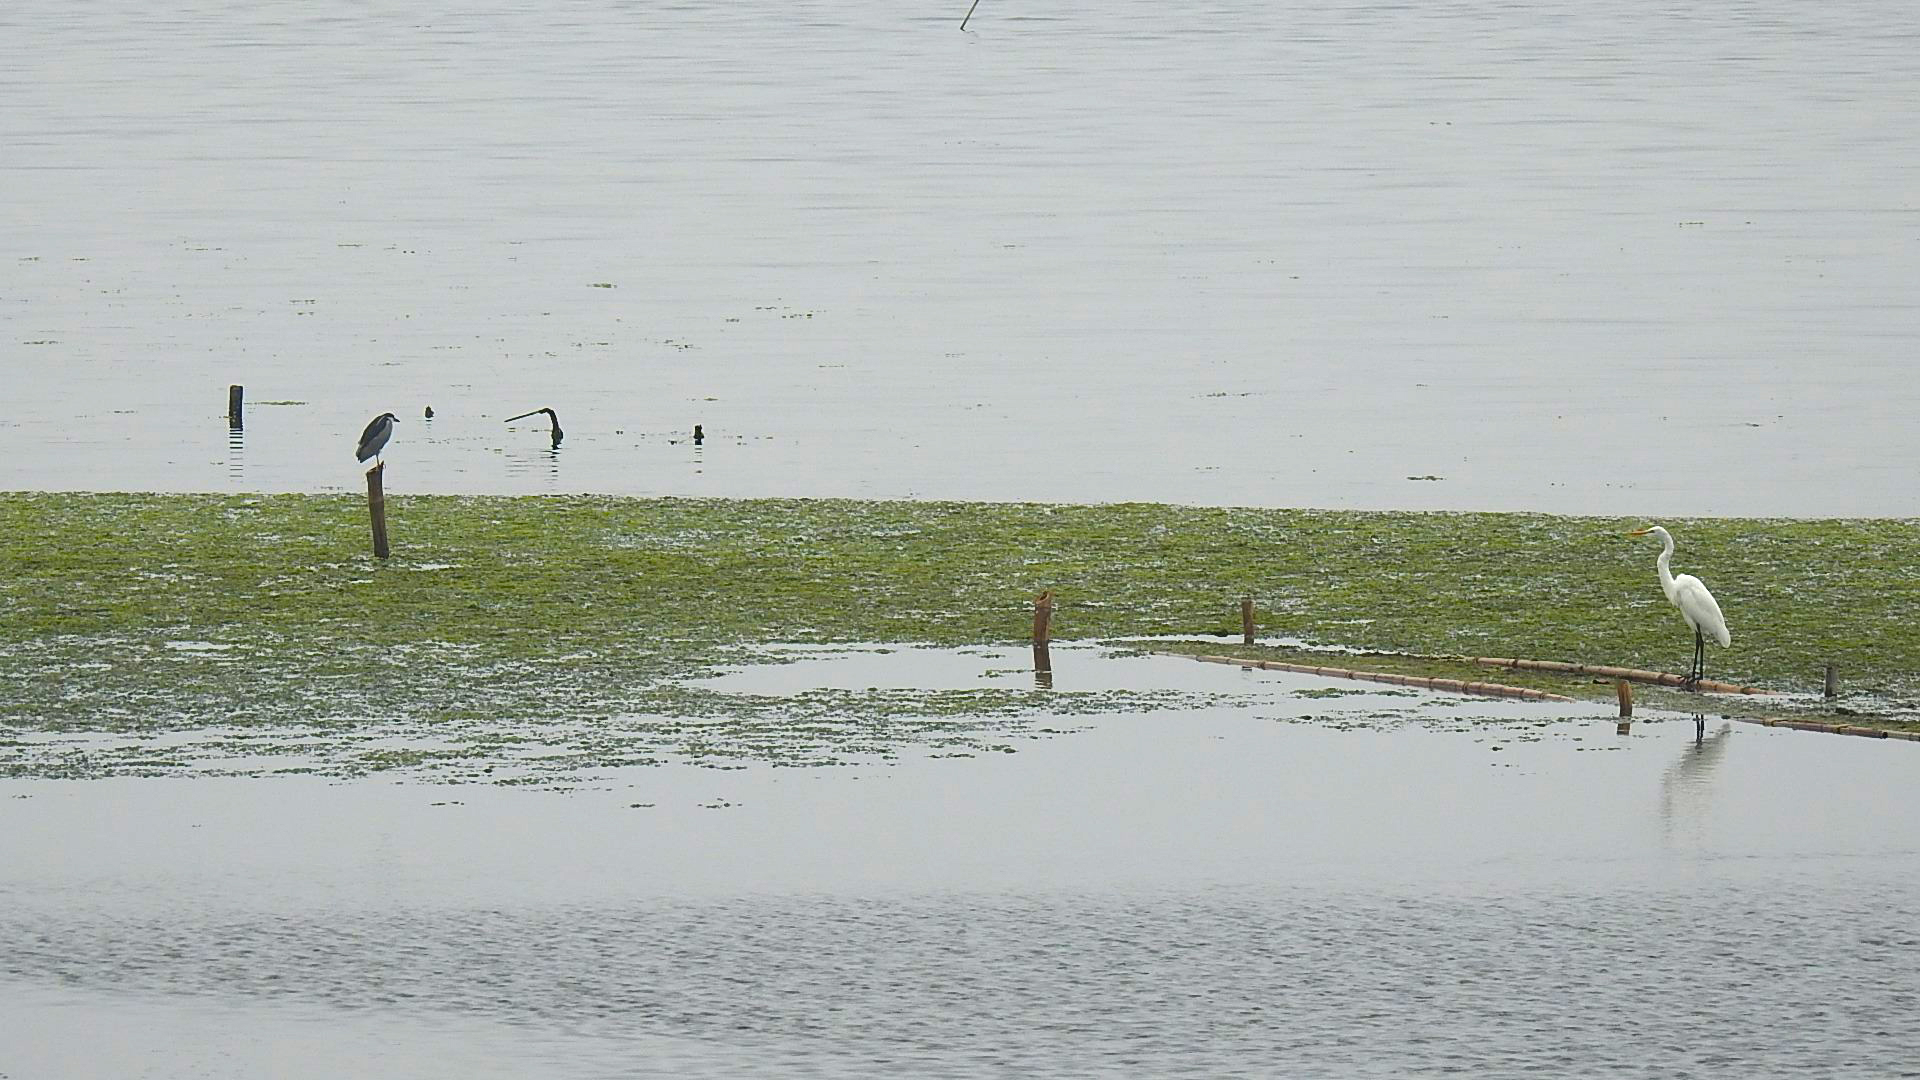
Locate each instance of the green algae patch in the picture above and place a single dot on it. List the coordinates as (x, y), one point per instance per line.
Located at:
(150, 614)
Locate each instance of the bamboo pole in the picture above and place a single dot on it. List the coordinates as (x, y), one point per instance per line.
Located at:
(377, 509)
(1042, 631)
(1246, 620)
(1457, 686)
(1658, 678)
(1830, 729)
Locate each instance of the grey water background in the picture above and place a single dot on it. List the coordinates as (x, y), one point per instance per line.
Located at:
(1202, 893)
(1635, 258)
(1315, 880)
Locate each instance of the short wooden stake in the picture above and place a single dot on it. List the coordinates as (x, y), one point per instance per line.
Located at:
(1042, 630)
(1623, 690)
(1624, 727)
(1833, 683)
(1246, 620)
(377, 509)
(236, 395)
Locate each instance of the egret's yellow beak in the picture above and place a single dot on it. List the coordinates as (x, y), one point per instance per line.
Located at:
(1639, 532)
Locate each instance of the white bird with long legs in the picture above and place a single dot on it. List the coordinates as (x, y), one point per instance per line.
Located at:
(1696, 605)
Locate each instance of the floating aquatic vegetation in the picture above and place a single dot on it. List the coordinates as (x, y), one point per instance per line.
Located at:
(142, 614)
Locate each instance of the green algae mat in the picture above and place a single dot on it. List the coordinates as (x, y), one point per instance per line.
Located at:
(519, 620)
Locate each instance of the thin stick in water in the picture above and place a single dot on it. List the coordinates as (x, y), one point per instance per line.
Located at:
(963, 22)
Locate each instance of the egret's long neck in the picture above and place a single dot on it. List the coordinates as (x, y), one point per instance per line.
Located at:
(1665, 563)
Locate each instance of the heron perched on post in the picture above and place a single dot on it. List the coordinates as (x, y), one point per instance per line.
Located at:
(1696, 605)
(376, 436)
(551, 415)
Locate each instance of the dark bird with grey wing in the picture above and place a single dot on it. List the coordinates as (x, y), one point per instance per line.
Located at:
(376, 436)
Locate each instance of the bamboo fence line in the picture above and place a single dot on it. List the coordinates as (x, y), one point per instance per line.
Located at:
(1458, 686)
(1658, 678)
(1830, 729)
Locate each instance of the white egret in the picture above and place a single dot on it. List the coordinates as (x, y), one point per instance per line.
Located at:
(376, 436)
(1696, 605)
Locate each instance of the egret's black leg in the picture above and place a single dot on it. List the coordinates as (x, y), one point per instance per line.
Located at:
(1699, 668)
(1699, 726)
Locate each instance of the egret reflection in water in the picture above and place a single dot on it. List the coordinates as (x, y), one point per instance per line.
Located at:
(1686, 788)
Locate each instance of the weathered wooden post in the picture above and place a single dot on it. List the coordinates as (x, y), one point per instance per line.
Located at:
(1042, 631)
(1833, 683)
(235, 397)
(377, 510)
(1623, 690)
(1246, 620)
(699, 436)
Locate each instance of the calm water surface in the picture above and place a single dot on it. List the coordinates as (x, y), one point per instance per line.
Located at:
(1214, 892)
(1633, 259)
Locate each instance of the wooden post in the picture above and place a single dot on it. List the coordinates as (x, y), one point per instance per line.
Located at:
(1246, 620)
(1623, 690)
(235, 395)
(1833, 683)
(1042, 629)
(377, 509)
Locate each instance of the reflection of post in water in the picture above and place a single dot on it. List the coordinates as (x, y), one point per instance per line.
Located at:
(531, 461)
(1042, 633)
(236, 453)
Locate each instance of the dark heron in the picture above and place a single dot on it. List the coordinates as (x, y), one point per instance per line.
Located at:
(376, 436)
(551, 415)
